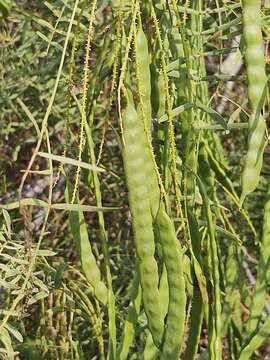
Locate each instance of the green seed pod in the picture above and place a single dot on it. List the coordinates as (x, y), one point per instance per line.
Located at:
(173, 260)
(135, 159)
(151, 352)
(88, 261)
(255, 64)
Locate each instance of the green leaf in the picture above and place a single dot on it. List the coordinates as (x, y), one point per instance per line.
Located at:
(212, 113)
(13, 331)
(57, 206)
(46, 253)
(29, 114)
(24, 202)
(175, 112)
(66, 160)
(40, 295)
(6, 341)
(84, 208)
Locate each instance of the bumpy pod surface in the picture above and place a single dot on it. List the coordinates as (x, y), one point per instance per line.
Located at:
(255, 63)
(136, 162)
(172, 257)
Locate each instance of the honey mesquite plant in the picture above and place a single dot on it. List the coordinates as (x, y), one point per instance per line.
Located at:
(134, 191)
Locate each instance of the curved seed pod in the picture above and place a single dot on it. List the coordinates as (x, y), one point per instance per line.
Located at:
(255, 63)
(88, 261)
(172, 257)
(136, 162)
(263, 272)
(151, 352)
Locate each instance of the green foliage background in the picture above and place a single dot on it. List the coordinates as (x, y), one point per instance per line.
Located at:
(49, 308)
